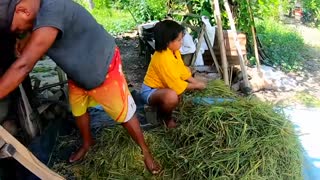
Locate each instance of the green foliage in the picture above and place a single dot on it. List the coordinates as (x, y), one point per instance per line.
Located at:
(201, 7)
(260, 8)
(283, 45)
(312, 7)
(82, 3)
(144, 10)
(307, 99)
(114, 21)
(102, 4)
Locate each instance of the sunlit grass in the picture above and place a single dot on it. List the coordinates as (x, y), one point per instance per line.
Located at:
(114, 21)
(307, 99)
(283, 45)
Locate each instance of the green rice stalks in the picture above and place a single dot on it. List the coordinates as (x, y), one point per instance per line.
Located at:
(242, 139)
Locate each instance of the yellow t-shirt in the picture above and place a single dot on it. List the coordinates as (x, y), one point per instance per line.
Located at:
(167, 70)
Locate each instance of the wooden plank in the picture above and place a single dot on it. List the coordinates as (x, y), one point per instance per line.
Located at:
(237, 44)
(27, 159)
(216, 10)
(229, 42)
(200, 38)
(254, 36)
(206, 37)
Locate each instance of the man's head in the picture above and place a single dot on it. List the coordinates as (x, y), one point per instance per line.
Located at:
(24, 15)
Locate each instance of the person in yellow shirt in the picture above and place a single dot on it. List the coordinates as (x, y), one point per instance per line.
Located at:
(167, 77)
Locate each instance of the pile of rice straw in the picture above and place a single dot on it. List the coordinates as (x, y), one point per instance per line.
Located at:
(240, 138)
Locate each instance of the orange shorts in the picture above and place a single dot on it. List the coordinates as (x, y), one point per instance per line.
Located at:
(113, 94)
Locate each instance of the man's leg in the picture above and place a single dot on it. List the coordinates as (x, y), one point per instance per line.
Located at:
(79, 101)
(116, 100)
(121, 107)
(83, 123)
(166, 100)
(134, 129)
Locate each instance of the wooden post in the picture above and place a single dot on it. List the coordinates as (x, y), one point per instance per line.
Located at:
(26, 158)
(200, 38)
(255, 44)
(206, 37)
(217, 13)
(237, 44)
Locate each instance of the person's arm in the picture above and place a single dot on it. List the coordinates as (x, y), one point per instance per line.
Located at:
(194, 84)
(21, 44)
(40, 41)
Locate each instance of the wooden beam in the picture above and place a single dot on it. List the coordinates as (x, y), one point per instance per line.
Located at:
(206, 37)
(224, 61)
(200, 38)
(254, 37)
(27, 159)
(237, 44)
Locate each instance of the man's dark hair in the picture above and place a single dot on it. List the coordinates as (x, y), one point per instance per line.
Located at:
(165, 32)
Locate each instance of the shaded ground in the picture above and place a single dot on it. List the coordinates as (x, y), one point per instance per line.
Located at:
(134, 65)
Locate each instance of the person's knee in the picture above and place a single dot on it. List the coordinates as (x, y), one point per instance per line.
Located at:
(170, 99)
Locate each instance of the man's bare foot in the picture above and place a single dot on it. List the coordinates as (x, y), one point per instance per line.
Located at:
(171, 123)
(152, 166)
(80, 154)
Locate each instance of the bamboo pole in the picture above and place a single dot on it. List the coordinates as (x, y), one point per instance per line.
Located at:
(200, 39)
(237, 44)
(206, 37)
(255, 44)
(216, 9)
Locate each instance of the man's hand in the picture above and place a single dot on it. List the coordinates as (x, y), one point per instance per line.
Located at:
(21, 44)
(40, 41)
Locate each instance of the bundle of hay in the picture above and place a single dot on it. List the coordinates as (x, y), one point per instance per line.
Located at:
(235, 139)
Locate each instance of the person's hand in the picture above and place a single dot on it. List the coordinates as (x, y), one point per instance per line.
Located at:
(201, 85)
(18, 49)
(21, 44)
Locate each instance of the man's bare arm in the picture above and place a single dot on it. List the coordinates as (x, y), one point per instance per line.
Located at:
(40, 41)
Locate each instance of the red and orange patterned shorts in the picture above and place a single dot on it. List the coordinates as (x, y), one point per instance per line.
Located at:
(113, 95)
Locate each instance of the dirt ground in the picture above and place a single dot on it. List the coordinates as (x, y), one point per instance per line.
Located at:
(134, 65)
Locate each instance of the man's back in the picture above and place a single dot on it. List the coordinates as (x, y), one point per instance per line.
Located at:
(83, 49)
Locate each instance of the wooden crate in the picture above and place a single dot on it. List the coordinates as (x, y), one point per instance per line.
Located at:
(231, 51)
